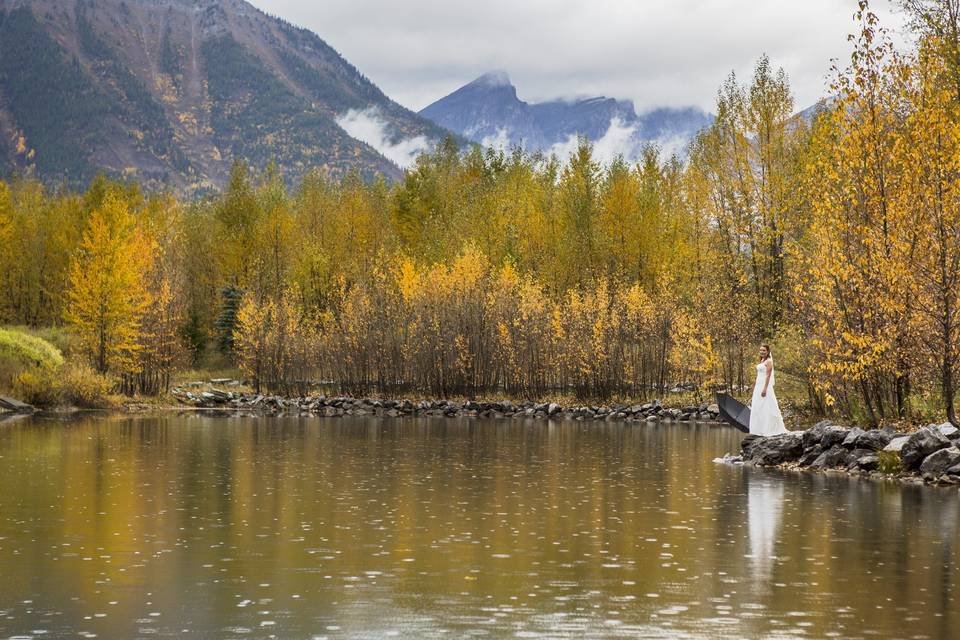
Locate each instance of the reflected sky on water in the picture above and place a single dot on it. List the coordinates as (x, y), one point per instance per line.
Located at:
(192, 526)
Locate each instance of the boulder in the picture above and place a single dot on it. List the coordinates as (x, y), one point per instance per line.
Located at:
(833, 436)
(713, 408)
(773, 450)
(896, 444)
(810, 455)
(920, 445)
(835, 456)
(813, 435)
(869, 462)
(855, 455)
(850, 441)
(939, 462)
(874, 439)
(949, 431)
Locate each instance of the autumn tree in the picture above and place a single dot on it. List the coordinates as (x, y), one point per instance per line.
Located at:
(107, 294)
(856, 290)
(930, 195)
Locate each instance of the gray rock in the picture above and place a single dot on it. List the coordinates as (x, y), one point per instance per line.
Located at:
(949, 431)
(874, 439)
(773, 450)
(835, 456)
(855, 455)
(216, 396)
(810, 455)
(553, 409)
(833, 436)
(713, 408)
(747, 443)
(939, 462)
(920, 445)
(729, 459)
(814, 434)
(896, 443)
(851, 439)
(869, 462)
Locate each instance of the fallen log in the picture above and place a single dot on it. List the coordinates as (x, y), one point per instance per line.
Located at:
(14, 405)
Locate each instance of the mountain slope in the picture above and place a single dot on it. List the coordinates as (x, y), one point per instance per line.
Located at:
(173, 91)
(488, 111)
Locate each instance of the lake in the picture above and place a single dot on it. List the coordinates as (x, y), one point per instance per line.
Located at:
(240, 527)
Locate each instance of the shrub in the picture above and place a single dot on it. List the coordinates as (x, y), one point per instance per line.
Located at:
(73, 383)
(889, 462)
(82, 386)
(37, 387)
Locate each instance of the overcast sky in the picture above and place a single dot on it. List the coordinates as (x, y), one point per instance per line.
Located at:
(655, 52)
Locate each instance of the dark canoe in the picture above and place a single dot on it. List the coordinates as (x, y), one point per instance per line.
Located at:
(734, 412)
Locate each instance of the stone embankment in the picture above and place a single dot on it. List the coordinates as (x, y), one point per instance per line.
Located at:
(930, 454)
(341, 406)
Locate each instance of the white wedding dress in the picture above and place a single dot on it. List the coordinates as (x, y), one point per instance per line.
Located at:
(765, 416)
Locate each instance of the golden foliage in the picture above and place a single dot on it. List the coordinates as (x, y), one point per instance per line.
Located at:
(107, 294)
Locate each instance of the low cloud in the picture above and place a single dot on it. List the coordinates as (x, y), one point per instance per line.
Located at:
(369, 126)
(619, 140)
(501, 141)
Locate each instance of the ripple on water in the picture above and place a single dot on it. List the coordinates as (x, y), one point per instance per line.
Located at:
(423, 528)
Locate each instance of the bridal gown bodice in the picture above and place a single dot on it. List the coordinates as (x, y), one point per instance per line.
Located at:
(765, 416)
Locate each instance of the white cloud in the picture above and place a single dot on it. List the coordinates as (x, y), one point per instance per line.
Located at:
(367, 125)
(672, 145)
(654, 52)
(500, 141)
(619, 140)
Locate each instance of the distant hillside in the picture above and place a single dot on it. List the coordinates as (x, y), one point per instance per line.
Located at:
(488, 111)
(173, 91)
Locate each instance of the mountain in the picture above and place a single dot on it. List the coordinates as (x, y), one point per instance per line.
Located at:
(171, 92)
(488, 111)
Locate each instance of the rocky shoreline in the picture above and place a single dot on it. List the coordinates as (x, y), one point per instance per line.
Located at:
(930, 454)
(653, 411)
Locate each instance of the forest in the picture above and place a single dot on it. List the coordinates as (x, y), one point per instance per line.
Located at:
(834, 235)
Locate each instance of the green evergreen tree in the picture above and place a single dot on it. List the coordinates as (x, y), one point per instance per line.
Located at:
(226, 323)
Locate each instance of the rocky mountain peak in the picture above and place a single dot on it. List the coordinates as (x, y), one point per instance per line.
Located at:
(487, 110)
(495, 78)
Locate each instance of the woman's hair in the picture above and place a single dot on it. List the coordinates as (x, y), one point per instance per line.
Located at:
(769, 351)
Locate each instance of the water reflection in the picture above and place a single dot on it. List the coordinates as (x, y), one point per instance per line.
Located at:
(423, 528)
(764, 515)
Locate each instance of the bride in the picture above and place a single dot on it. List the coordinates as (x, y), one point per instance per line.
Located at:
(765, 417)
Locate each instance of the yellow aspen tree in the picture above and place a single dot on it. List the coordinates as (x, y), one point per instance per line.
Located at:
(107, 293)
(930, 151)
(856, 284)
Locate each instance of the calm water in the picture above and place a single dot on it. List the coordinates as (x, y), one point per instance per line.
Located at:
(440, 528)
